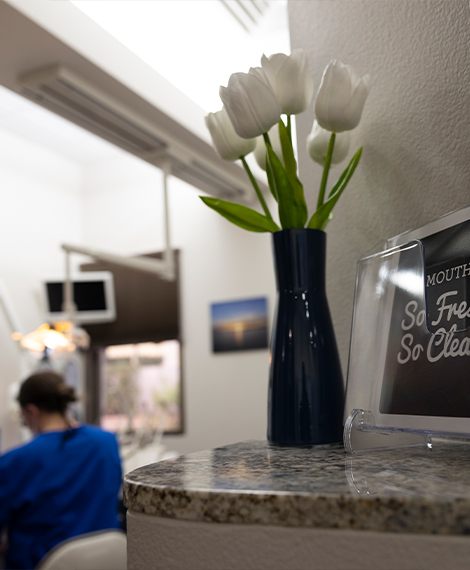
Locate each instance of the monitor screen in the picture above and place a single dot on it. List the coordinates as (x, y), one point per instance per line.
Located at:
(87, 295)
(93, 295)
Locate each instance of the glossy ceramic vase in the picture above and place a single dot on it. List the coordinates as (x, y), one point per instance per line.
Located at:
(306, 392)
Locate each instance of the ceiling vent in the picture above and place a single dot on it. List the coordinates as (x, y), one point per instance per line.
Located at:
(247, 13)
(64, 92)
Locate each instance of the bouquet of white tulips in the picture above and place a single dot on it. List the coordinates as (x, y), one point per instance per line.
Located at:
(256, 117)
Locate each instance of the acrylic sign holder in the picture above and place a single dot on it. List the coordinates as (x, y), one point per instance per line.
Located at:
(404, 334)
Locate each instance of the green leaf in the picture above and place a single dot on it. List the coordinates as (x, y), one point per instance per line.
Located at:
(287, 150)
(290, 194)
(241, 216)
(271, 181)
(257, 189)
(321, 217)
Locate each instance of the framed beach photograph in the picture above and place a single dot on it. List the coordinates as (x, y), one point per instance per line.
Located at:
(239, 325)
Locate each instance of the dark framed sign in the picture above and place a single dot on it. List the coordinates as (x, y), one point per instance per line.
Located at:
(410, 346)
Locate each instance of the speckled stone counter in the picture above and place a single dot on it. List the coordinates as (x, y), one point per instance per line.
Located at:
(404, 491)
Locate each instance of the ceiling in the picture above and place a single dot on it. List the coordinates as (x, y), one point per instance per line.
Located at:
(38, 125)
(34, 36)
(195, 44)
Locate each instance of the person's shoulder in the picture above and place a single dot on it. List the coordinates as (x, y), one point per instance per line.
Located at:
(12, 456)
(100, 440)
(97, 433)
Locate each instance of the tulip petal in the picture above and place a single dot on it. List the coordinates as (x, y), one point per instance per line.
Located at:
(356, 103)
(226, 141)
(340, 98)
(290, 79)
(250, 103)
(317, 145)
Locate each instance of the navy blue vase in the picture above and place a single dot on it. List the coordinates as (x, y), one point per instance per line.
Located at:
(306, 393)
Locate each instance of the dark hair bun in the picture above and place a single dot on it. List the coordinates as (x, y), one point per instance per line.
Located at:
(48, 391)
(66, 393)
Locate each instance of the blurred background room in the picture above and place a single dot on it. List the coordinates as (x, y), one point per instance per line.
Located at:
(149, 372)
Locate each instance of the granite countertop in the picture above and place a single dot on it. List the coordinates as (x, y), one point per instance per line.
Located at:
(406, 490)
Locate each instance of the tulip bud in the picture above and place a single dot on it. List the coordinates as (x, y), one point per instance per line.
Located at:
(260, 149)
(290, 79)
(341, 97)
(250, 103)
(317, 144)
(226, 141)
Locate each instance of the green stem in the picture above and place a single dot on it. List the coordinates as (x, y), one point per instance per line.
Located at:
(289, 126)
(255, 185)
(267, 140)
(326, 170)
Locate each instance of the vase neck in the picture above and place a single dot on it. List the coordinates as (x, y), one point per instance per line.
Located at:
(299, 256)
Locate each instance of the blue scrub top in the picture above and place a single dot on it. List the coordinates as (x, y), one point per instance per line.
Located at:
(59, 485)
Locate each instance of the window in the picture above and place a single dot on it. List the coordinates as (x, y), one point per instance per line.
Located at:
(141, 387)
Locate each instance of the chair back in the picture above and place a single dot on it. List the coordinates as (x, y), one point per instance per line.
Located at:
(105, 550)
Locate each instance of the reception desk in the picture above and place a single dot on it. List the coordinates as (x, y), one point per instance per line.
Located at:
(253, 506)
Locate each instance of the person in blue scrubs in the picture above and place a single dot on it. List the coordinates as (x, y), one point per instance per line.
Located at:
(63, 483)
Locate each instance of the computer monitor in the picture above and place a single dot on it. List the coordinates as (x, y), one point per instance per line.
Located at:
(93, 295)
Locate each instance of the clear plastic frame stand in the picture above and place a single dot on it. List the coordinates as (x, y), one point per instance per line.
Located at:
(361, 433)
(410, 354)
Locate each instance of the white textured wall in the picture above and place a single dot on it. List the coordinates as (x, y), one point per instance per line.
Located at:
(415, 128)
(40, 208)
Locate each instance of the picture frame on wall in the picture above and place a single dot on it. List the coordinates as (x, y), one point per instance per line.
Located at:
(239, 325)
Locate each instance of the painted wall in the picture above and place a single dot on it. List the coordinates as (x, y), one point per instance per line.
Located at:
(41, 207)
(415, 128)
(225, 395)
(116, 205)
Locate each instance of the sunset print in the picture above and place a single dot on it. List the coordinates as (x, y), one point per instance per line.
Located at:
(240, 325)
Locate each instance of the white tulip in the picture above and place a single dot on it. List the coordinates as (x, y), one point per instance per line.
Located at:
(341, 97)
(228, 144)
(317, 144)
(260, 149)
(250, 103)
(290, 79)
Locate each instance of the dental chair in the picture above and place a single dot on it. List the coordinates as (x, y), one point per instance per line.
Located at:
(104, 550)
